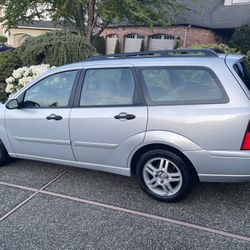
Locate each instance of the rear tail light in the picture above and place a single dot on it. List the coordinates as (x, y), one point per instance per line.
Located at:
(246, 141)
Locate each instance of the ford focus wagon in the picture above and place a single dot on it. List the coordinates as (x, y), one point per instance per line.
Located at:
(169, 117)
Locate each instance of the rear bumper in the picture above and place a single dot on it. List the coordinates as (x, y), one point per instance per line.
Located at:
(221, 166)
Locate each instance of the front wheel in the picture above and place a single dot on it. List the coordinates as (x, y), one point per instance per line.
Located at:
(164, 175)
(4, 156)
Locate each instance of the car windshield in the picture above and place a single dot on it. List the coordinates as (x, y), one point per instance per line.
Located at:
(243, 70)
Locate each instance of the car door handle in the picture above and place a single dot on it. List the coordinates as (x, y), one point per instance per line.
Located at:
(54, 117)
(125, 116)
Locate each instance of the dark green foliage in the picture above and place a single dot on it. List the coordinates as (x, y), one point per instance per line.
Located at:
(223, 47)
(3, 39)
(142, 46)
(55, 48)
(117, 47)
(241, 39)
(8, 62)
(99, 44)
(87, 15)
(177, 43)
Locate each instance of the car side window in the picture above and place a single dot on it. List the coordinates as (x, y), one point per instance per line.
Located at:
(182, 85)
(108, 87)
(52, 92)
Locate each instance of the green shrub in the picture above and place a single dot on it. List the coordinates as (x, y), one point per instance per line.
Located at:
(99, 44)
(3, 39)
(222, 47)
(55, 48)
(177, 43)
(142, 46)
(117, 47)
(8, 62)
(241, 39)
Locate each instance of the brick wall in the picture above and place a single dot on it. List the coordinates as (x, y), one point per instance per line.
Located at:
(194, 35)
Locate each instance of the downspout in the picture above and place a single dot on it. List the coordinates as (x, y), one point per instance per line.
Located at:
(185, 36)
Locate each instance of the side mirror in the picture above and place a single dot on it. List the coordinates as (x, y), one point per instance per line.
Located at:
(12, 104)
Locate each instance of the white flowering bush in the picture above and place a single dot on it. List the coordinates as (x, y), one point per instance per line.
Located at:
(22, 76)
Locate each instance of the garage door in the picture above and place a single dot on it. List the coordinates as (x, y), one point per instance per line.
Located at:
(110, 44)
(133, 43)
(161, 42)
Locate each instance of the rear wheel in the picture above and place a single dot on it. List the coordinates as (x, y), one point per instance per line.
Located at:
(164, 175)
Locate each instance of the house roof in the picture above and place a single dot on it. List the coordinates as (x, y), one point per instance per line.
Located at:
(42, 24)
(214, 14)
(211, 14)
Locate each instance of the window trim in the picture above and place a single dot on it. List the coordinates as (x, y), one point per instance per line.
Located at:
(71, 96)
(149, 102)
(138, 99)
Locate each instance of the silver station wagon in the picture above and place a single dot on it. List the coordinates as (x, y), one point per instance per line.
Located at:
(171, 118)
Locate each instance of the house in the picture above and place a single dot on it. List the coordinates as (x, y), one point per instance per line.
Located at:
(208, 22)
(17, 36)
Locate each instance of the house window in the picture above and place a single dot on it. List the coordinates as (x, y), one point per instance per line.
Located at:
(235, 2)
(156, 37)
(131, 36)
(161, 37)
(134, 36)
(168, 37)
(240, 1)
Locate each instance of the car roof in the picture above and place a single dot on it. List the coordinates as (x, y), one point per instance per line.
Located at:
(203, 56)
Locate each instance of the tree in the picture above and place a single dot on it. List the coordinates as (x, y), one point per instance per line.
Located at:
(241, 39)
(91, 17)
(3, 39)
(99, 44)
(219, 47)
(8, 62)
(54, 48)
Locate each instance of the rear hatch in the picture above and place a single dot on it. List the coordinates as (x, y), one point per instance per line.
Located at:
(241, 69)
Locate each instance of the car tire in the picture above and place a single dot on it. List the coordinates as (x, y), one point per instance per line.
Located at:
(164, 176)
(4, 156)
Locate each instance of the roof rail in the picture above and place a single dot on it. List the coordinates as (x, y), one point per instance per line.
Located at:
(160, 53)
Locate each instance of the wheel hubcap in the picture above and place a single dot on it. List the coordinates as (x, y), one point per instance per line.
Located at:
(162, 176)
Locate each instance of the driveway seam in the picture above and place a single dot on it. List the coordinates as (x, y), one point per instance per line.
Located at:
(116, 208)
(150, 216)
(37, 191)
(18, 186)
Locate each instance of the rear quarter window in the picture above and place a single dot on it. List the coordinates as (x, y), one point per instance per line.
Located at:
(243, 71)
(181, 85)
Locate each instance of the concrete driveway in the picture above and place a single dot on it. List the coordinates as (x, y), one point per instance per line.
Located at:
(46, 206)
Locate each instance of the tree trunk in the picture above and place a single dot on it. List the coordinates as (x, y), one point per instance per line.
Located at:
(79, 19)
(91, 20)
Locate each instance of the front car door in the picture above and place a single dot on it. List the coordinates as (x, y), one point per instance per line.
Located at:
(109, 119)
(40, 127)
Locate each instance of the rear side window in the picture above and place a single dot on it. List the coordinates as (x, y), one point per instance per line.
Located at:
(243, 70)
(181, 85)
(108, 87)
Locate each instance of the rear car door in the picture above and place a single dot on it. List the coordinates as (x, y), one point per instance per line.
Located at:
(109, 118)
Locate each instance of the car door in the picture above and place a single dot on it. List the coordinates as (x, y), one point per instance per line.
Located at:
(109, 119)
(40, 127)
